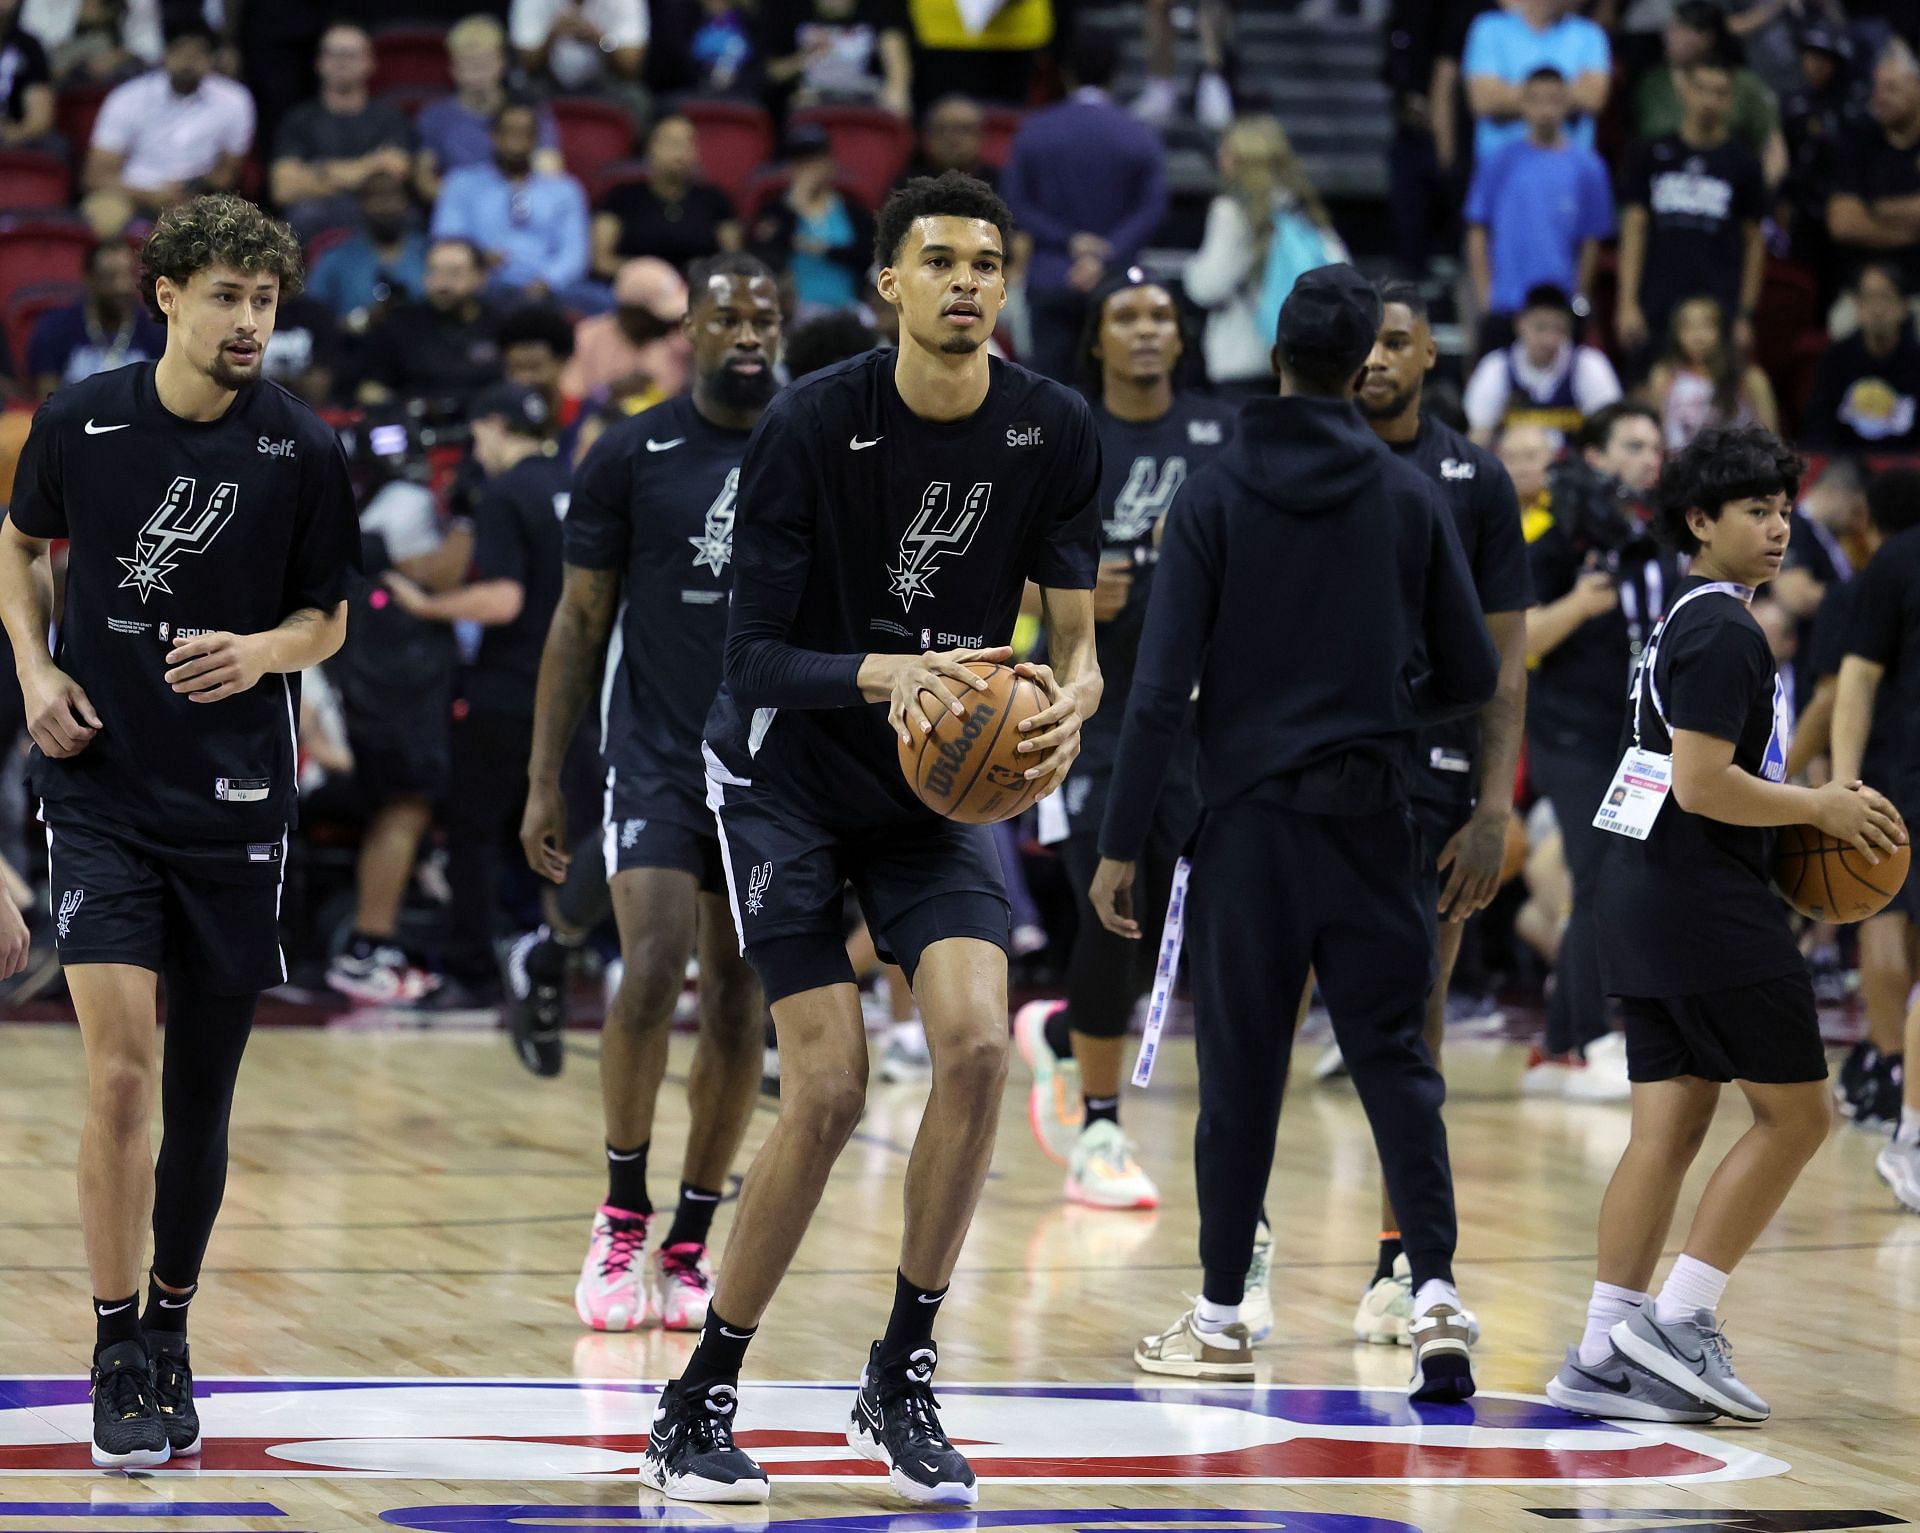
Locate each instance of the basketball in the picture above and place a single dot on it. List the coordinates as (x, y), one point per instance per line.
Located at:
(1829, 880)
(969, 767)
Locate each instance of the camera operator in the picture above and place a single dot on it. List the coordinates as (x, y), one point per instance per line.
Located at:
(1601, 583)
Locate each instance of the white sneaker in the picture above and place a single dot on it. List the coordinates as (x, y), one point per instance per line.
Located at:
(1256, 1304)
(1605, 1077)
(610, 1295)
(905, 1056)
(1386, 1307)
(680, 1281)
(1331, 1064)
(1055, 1111)
(1547, 1074)
(1899, 1167)
(1103, 1173)
(1191, 1354)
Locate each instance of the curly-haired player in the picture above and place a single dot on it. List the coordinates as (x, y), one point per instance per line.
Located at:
(212, 535)
(1699, 950)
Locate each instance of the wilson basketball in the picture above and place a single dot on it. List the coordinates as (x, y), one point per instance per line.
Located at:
(1829, 880)
(969, 767)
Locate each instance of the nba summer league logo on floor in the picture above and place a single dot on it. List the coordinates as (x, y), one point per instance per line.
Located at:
(1015, 1434)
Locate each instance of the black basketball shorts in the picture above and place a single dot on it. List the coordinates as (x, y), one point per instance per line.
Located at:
(1767, 1032)
(652, 824)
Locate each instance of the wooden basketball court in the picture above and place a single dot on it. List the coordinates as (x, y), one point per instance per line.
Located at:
(386, 1335)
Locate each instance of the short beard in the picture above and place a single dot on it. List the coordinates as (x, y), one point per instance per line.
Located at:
(960, 345)
(231, 378)
(1395, 405)
(734, 390)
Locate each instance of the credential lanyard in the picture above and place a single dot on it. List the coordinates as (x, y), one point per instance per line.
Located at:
(1643, 679)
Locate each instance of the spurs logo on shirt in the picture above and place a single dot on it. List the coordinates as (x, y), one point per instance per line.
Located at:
(714, 546)
(177, 527)
(937, 532)
(1145, 497)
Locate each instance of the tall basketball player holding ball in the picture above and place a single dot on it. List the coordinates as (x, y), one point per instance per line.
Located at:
(890, 512)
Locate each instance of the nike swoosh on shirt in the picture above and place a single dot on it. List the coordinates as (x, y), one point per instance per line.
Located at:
(653, 446)
(93, 430)
(859, 446)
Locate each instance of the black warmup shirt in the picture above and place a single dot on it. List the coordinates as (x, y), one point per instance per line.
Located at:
(182, 527)
(516, 536)
(1698, 204)
(419, 351)
(1869, 167)
(679, 233)
(1832, 627)
(655, 501)
(1486, 514)
(1689, 910)
(864, 529)
(1886, 630)
(1864, 403)
(1143, 465)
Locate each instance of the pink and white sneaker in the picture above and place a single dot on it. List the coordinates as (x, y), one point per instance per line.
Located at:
(610, 1295)
(681, 1284)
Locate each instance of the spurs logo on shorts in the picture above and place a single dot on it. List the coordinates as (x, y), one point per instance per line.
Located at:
(937, 532)
(714, 546)
(1144, 498)
(630, 832)
(70, 904)
(757, 882)
(177, 527)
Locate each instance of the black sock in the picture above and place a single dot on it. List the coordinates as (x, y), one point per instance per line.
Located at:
(1390, 1249)
(717, 1356)
(910, 1326)
(1059, 1035)
(1101, 1110)
(115, 1321)
(547, 959)
(692, 1216)
(627, 1179)
(166, 1310)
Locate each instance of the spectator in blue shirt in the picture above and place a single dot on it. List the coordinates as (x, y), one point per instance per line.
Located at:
(1536, 211)
(532, 225)
(1504, 48)
(108, 328)
(1086, 180)
(453, 132)
(386, 261)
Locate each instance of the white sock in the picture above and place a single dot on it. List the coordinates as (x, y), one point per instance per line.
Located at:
(1433, 1293)
(1609, 1305)
(1690, 1286)
(1211, 1318)
(1909, 1130)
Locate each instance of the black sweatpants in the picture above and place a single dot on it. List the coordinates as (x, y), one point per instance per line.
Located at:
(1107, 975)
(1275, 892)
(1575, 780)
(486, 794)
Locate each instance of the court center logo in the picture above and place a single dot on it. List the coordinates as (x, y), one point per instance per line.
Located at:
(177, 527)
(937, 533)
(714, 546)
(1145, 497)
(478, 1430)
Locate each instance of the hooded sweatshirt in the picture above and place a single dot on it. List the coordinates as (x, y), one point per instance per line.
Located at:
(1313, 585)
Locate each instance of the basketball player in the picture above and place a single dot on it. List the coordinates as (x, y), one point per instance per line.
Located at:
(212, 536)
(649, 541)
(1303, 856)
(1151, 437)
(1883, 657)
(1463, 771)
(1700, 950)
(891, 510)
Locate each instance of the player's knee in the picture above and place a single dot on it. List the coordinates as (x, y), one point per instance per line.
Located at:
(650, 985)
(825, 1108)
(973, 1066)
(1800, 1117)
(120, 1095)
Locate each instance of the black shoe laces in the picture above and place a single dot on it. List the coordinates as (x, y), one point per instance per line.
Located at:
(172, 1381)
(628, 1240)
(912, 1393)
(123, 1391)
(710, 1423)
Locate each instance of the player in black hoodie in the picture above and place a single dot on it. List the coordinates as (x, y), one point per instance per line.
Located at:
(1305, 858)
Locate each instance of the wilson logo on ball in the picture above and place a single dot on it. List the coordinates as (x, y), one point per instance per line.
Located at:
(953, 753)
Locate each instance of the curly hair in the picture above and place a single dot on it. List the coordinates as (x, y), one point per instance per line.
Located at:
(218, 229)
(1721, 465)
(952, 194)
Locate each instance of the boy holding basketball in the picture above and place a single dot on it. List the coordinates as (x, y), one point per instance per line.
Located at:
(1698, 947)
(890, 511)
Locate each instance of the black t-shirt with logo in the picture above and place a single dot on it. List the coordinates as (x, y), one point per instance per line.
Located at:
(182, 527)
(1486, 514)
(1698, 204)
(655, 501)
(1864, 403)
(1690, 910)
(863, 528)
(1143, 465)
(516, 536)
(1885, 629)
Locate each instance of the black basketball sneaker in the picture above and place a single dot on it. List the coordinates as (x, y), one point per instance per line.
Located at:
(127, 1433)
(173, 1391)
(1854, 1088)
(896, 1422)
(690, 1451)
(537, 1006)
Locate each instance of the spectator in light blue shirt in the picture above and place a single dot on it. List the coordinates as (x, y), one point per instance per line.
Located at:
(385, 261)
(1537, 209)
(1506, 46)
(455, 131)
(531, 224)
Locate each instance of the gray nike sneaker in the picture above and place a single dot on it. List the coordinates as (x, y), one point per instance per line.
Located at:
(1620, 1390)
(1692, 1355)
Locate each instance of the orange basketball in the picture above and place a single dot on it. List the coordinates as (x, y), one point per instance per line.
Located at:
(969, 768)
(1829, 880)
